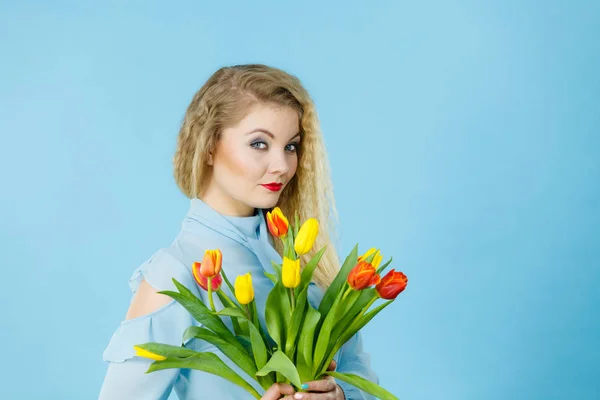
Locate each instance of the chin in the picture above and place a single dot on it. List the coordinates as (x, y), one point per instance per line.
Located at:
(266, 202)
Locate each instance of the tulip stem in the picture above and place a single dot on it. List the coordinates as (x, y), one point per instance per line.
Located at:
(248, 312)
(346, 293)
(364, 310)
(210, 297)
(292, 290)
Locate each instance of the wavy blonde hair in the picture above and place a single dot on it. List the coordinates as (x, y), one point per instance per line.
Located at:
(222, 102)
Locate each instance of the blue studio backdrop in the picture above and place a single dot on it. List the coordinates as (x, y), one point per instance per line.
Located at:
(464, 141)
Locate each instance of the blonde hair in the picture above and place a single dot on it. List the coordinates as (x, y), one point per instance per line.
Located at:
(222, 102)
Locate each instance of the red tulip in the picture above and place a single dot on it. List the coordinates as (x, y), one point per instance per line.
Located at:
(277, 223)
(391, 285)
(211, 263)
(363, 275)
(202, 280)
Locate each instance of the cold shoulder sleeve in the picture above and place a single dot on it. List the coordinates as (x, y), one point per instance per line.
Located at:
(126, 377)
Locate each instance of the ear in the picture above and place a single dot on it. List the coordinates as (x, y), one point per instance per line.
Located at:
(210, 158)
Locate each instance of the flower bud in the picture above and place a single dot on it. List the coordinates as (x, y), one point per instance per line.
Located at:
(306, 236)
(277, 223)
(391, 285)
(244, 292)
(363, 275)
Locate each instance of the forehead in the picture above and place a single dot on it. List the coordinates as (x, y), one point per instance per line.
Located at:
(281, 121)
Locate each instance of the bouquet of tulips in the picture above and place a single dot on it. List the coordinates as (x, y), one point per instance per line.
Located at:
(300, 341)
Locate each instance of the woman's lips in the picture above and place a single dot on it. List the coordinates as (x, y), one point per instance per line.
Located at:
(273, 187)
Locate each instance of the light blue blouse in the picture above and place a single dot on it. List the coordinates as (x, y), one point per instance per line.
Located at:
(246, 247)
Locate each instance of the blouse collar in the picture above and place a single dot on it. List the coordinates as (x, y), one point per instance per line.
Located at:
(251, 232)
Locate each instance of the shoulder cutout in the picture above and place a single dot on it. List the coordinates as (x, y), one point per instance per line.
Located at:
(146, 300)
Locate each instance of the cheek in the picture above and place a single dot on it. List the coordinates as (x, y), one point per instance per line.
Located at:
(236, 162)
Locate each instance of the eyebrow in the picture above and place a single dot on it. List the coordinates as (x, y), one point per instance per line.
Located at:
(268, 133)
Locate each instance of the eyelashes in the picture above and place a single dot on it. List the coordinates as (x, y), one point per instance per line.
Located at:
(262, 145)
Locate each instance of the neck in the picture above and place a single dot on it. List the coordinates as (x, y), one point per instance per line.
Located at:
(226, 205)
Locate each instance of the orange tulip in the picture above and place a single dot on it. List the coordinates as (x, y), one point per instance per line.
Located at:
(363, 275)
(211, 263)
(202, 281)
(391, 285)
(277, 223)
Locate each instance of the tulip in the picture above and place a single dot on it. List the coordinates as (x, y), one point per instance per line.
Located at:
(391, 285)
(147, 354)
(363, 275)
(202, 281)
(211, 263)
(376, 260)
(277, 223)
(290, 272)
(306, 236)
(244, 292)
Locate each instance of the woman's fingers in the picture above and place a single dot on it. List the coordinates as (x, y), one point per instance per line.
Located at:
(276, 390)
(324, 385)
(332, 366)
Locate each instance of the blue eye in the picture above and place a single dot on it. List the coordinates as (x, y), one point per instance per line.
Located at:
(292, 147)
(258, 144)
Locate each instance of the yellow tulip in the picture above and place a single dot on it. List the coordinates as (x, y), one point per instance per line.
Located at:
(376, 260)
(290, 272)
(306, 236)
(147, 354)
(244, 292)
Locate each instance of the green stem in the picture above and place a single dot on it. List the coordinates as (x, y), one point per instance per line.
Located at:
(346, 293)
(248, 313)
(229, 302)
(210, 297)
(293, 299)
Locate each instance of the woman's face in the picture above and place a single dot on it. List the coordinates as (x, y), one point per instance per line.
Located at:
(260, 150)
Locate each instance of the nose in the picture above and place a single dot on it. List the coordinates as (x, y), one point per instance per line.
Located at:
(280, 163)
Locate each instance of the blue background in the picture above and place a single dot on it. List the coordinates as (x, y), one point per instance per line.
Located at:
(464, 140)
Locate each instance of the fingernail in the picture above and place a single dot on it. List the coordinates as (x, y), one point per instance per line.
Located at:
(304, 386)
(298, 395)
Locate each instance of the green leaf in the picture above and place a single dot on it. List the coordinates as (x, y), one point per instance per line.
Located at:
(279, 362)
(230, 304)
(277, 314)
(237, 354)
(305, 344)
(296, 224)
(309, 269)
(384, 266)
(338, 283)
(272, 277)
(324, 334)
(207, 362)
(259, 349)
(201, 313)
(364, 385)
(277, 268)
(233, 312)
(354, 328)
(245, 342)
(167, 350)
(295, 324)
(351, 311)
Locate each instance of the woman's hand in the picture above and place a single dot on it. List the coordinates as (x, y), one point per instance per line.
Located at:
(277, 390)
(324, 389)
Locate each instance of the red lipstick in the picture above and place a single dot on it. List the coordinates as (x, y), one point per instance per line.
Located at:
(273, 186)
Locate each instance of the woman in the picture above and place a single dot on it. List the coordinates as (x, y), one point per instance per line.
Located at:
(249, 141)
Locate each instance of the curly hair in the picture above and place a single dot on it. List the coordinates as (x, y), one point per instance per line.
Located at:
(222, 102)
